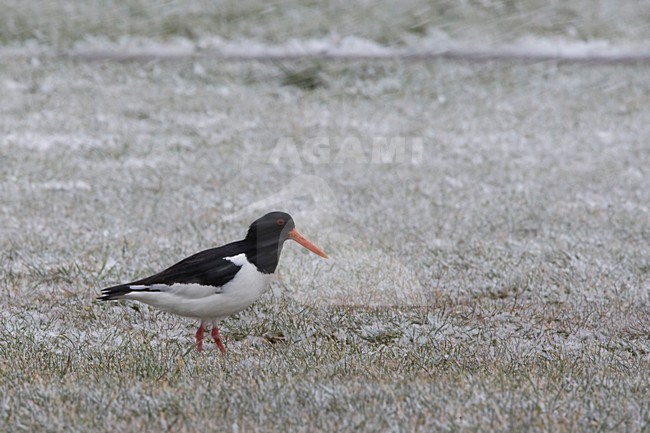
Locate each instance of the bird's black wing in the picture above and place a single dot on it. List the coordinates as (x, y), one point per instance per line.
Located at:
(207, 268)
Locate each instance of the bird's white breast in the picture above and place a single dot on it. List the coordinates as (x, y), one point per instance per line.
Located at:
(249, 283)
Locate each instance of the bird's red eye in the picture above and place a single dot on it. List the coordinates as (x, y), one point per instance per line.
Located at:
(280, 221)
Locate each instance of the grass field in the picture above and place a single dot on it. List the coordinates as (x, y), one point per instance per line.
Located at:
(491, 275)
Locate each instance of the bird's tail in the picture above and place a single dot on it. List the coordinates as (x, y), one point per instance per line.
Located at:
(115, 292)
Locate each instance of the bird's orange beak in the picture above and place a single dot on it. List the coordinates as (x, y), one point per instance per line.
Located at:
(294, 235)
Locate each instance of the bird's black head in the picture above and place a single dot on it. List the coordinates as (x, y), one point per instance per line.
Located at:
(272, 228)
(266, 236)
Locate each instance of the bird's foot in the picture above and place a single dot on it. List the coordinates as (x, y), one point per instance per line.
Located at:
(217, 339)
(199, 337)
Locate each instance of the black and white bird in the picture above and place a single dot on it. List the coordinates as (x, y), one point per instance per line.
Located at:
(213, 284)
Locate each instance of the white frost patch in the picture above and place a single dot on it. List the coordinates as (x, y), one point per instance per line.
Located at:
(376, 332)
(352, 46)
(127, 47)
(339, 47)
(62, 185)
(29, 48)
(569, 49)
(347, 46)
(534, 47)
(134, 162)
(51, 142)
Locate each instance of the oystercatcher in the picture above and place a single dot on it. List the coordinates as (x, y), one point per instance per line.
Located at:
(213, 284)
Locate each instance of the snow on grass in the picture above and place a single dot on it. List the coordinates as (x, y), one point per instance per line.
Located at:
(64, 22)
(498, 280)
(501, 281)
(534, 29)
(334, 47)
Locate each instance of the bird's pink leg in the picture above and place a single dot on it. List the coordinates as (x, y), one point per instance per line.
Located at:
(217, 339)
(199, 337)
